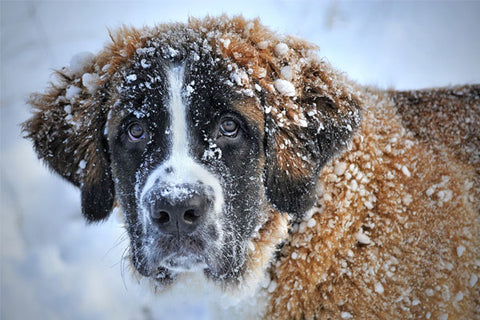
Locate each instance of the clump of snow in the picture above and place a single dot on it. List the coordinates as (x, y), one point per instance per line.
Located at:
(81, 62)
(90, 82)
(72, 92)
(281, 49)
(262, 45)
(405, 171)
(429, 292)
(287, 73)
(131, 78)
(379, 288)
(340, 168)
(407, 199)
(225, 42)
(175, 192)
(272, 286)
(82, 164)
(445, 195)
(473, 280)
(346, 315)
(459, 296)
(362, 238)
(285, 87)
(145, 63)
(311, 223)
(190, 89)
(460, 250)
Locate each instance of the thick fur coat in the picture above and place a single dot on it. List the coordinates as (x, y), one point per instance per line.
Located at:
(368, 201)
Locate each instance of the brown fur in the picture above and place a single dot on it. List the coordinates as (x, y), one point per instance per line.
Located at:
(395, 231)
(414, 234)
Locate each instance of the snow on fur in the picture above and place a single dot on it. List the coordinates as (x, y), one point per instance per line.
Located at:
(394, 233)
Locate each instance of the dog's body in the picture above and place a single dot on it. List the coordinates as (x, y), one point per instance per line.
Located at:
(216, 139)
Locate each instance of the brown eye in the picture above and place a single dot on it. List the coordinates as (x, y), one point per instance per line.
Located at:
(136, 132)
(229, 128)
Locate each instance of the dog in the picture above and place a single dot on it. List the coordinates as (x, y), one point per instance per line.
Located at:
(238, 155)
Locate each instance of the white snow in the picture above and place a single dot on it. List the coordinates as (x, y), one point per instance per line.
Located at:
(443, 316)
(287, 73)
(54, 266)
(239, 77)
(346, 315)
(263, 45)
(340, 168)
(82, 164)
(459, 296)
(90, 82)
(80, 62)
(281, 49)
(460, 250)
(362, 238)
(72, 92)
(145, 63)
(473, 280)
(285, 87)
(405, 171)
(131, 78)
(379, 288)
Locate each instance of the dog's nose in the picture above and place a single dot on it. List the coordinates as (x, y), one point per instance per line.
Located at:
(179, 213)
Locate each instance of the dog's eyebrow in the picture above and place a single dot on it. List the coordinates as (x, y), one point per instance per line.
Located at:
(252, 110)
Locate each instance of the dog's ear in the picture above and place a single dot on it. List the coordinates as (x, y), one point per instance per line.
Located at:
(297, 149)
(309, 117)
(67, 130)
(310, 109)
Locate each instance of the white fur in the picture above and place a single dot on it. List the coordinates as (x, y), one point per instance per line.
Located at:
(184, 168)
(180, 168)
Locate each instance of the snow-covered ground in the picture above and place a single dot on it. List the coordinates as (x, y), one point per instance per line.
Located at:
(54, 266)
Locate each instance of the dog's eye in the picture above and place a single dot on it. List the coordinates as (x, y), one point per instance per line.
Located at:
(136, 132)
(229, 128)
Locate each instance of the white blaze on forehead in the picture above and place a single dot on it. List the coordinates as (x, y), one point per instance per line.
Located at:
(177, 110)
(180, 168)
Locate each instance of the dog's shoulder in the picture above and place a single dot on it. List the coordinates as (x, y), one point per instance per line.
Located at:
(446, 118)
(394, 219)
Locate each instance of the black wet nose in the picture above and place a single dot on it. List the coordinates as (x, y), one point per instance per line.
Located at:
(179, 215)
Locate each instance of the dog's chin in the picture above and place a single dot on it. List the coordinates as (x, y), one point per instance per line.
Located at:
(178, 263)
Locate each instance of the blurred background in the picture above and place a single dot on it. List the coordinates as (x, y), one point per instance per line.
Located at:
(54, 266)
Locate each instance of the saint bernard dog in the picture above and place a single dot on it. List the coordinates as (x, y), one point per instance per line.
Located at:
(241, 156)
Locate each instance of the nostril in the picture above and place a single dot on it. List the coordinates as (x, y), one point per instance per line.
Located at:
(161, 216)
(190, 216)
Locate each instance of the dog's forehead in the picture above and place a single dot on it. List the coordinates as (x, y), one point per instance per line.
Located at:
(209, 81)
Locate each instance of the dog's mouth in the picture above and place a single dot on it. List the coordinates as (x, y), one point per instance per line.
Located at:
(176, 254)
(184, 262)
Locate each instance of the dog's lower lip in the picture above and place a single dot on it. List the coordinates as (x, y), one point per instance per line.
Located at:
(184, 262)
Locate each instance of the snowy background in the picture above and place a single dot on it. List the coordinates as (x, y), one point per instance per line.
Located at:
(54, 266)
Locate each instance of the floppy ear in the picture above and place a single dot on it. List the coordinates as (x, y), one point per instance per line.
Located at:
(67, 130)
(309, 118)
(310, 110)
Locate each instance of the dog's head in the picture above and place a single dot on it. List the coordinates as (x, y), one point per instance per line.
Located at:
(204, 133)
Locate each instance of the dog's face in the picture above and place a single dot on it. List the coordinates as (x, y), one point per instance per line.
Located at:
(188, 162)
(203, 133)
